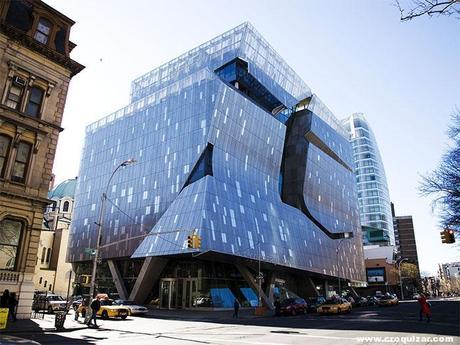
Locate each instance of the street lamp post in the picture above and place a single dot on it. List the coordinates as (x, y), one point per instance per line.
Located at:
(99, 226)
(400, 278)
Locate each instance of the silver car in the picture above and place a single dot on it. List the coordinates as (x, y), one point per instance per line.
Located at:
(134, 309)
(49, 302)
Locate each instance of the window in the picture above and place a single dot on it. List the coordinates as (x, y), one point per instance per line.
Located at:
(43, 255)
(43, 31)
(35, 102)
(48, 255)
(15, 93)
(21, 162)
(10, 234)
(4, 150)
(65, 208)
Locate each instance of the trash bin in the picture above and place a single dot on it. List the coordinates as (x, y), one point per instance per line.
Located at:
(59, 319)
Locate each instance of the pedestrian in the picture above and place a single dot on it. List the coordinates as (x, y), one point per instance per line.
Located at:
(425, 308)
(277, 305)
(4, 299)
(236, 307)
(12, 303)
(95, 306)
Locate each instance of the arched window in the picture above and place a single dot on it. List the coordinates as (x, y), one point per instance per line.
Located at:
(43, 31)
(43, 255)
(10, 235)
(35, 101)
(65, 208)
(5, 142)
(21, 162)
(48, 255)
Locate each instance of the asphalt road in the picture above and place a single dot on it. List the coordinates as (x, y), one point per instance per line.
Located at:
(398, 325)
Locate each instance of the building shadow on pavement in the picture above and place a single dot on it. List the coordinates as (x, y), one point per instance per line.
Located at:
(403, 318)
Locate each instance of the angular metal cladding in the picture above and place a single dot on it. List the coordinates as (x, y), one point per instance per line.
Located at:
(234, 201)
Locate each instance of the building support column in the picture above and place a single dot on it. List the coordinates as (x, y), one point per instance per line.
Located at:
(25, 295)
(353, 292)
(271, 287)
(148, 276)
(117, 279)
(326, 288)
(253, 284)
(312, 285)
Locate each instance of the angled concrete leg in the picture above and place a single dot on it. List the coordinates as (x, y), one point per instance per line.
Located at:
(312, 286)
(354, 293)
(148, 276)
(253, 284)
(271, 288)
(117, 279)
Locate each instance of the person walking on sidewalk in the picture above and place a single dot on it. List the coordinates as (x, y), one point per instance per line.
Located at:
(12, 303)
(236, 307)
(4, 299)
(95, 306)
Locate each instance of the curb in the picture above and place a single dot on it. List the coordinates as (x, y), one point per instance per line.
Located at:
(51, 329)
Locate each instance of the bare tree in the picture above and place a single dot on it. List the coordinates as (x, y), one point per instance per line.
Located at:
(444, 182)
(417, 8)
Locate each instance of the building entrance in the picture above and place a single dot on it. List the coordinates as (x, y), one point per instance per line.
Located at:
(178, 293)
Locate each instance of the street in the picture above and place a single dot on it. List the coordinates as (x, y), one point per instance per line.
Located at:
(160, 327)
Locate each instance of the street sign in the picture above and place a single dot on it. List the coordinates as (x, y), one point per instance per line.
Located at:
(90, 251)
(3, 317)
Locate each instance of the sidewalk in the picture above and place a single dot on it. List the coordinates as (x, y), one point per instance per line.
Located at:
(43, 325)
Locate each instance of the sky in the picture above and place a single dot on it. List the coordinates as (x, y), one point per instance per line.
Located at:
(355, 55)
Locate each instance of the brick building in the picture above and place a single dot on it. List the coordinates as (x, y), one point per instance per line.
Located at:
(35, 71)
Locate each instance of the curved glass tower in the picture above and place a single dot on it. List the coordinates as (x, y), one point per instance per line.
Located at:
(373, 196)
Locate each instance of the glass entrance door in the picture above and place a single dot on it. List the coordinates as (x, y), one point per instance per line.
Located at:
(178, 293)
(189, 291)
(167, 293)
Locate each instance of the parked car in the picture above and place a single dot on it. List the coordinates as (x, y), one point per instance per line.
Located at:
(293, 306)
(49, 302)
(361, 302)
(133, 308)
(335, 305)
(314, 302)
(75, 301)
(107, 310)
(372, 300)
(388, 300)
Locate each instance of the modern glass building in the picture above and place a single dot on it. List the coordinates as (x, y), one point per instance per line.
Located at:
(373, 196)
(231, 145)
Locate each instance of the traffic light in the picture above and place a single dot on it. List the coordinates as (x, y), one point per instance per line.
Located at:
(448, 236)
(190, 242)
(85, 279)
(196, 241)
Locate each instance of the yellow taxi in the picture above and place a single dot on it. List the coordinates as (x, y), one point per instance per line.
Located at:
(335, 305)
(388, 300)
(107, 310)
